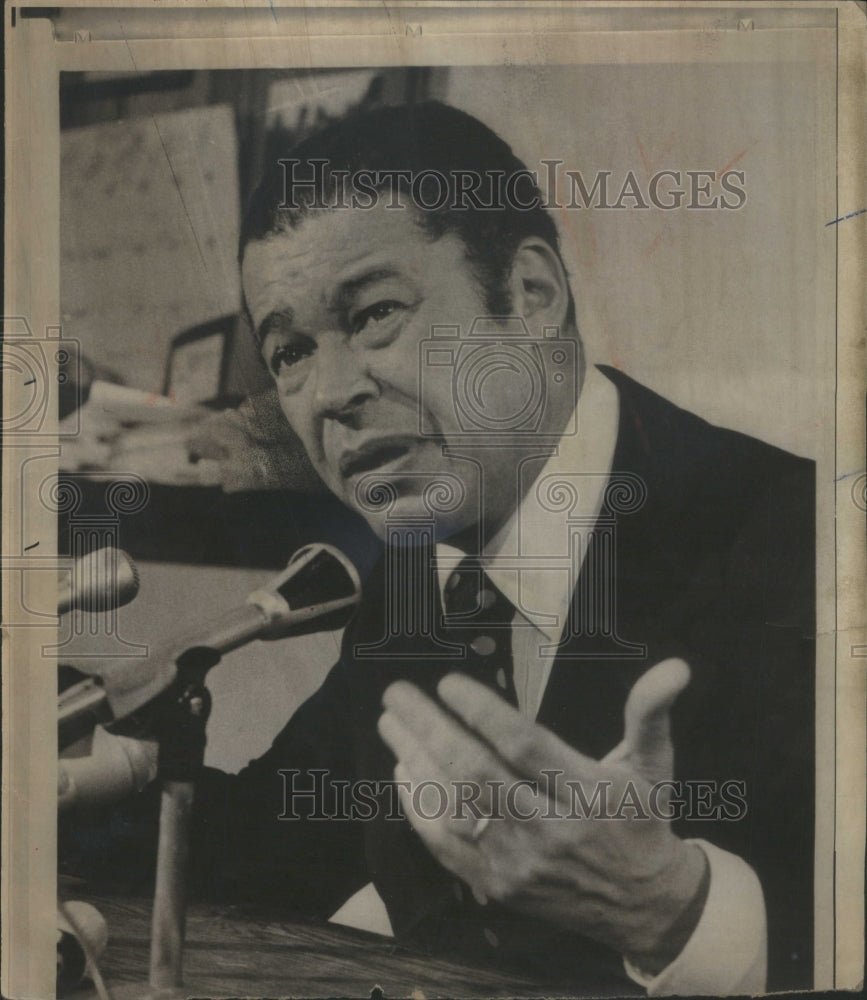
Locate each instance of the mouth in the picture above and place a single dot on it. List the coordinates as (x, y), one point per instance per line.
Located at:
(378, 455)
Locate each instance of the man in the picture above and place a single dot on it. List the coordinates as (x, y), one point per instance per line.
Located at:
(662, 670)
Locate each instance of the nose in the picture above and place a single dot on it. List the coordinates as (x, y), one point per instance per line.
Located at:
(343, 381)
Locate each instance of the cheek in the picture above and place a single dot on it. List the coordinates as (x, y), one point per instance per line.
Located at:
(439, 414)
(298, 417)
(401, 369)
(397, 365)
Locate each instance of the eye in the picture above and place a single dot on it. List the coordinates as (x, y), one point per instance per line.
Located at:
(288, 355)
(374, 314)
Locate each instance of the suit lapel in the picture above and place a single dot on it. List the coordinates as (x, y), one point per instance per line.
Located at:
(625, 567)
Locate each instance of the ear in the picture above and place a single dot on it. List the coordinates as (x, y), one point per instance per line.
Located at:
(538, 284)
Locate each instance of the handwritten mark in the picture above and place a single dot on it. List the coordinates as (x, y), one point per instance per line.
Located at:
(29, 547)
(645, 159)
(734, 160)
(662, 237)
(843, 218)
(30, 381)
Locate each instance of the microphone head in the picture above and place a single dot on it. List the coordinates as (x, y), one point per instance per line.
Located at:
(317, 574)
(82, 936)
(319, 590)
(101, 580)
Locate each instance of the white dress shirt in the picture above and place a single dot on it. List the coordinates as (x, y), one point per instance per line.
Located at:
(529, 561)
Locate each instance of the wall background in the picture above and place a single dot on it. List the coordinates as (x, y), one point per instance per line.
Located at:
(721, 311)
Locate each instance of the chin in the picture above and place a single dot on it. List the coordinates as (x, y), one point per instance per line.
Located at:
(408, 520)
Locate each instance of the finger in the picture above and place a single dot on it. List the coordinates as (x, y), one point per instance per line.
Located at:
(411, 754)
(525, 746)
(647, 726)
(439, 796)
(454, 807)
(458, 753)
(455, 853)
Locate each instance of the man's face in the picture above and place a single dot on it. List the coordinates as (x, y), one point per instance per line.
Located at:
(342, 304)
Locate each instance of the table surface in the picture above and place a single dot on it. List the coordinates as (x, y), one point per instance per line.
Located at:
(230, 952)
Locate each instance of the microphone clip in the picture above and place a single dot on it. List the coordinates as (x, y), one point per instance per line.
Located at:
(180, 729)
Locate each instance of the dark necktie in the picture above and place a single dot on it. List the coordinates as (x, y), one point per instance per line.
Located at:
(479, 617)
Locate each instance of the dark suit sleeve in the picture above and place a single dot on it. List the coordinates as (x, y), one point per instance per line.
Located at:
(778, 580)
(752, 718)
(263, 834)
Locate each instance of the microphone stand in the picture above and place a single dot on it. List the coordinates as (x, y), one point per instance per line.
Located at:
(179, 723)
(180, 729)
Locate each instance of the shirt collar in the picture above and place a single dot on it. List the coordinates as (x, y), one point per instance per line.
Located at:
(528, 559)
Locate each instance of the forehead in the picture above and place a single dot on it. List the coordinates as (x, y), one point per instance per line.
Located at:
(331, 247)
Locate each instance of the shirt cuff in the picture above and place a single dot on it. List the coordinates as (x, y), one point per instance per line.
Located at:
(727, 953)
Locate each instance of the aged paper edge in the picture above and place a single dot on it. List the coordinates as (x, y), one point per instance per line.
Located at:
(34, 57)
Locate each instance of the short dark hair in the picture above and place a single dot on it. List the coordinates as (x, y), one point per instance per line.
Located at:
(416, 139)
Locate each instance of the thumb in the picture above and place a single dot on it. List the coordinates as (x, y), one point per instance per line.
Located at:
(646, 741)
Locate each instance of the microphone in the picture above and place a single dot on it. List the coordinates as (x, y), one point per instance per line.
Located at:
(318, 590)
(116, 767)
(102, 580)
(82, 935)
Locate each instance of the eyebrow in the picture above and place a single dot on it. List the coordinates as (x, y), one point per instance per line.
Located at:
(352, 286)
(278, 318)
(282, 318)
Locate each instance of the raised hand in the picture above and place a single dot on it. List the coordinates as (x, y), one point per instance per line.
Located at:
(526, 820)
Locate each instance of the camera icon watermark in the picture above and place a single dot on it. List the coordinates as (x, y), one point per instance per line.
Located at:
(501, 378)
(36, 372)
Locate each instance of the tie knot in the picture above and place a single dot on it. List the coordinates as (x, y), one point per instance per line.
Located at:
(471, 599)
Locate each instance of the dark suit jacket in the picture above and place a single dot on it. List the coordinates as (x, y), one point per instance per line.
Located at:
(717, 566)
